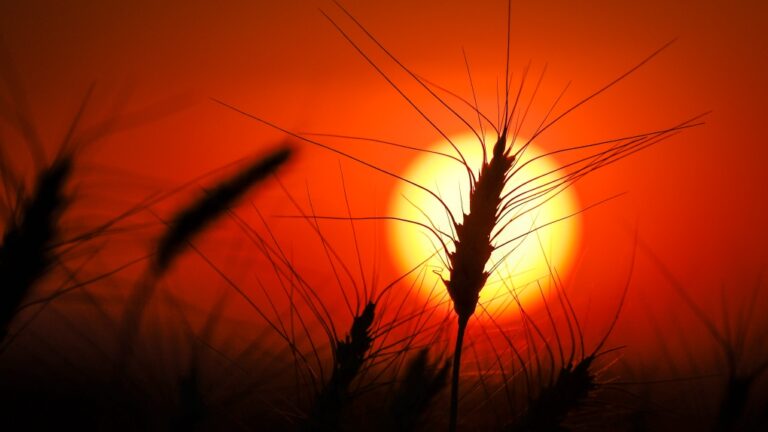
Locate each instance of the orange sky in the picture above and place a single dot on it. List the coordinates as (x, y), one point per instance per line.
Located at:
(698, 199)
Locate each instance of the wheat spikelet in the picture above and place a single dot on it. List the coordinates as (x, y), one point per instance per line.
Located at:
(186, 224)
(349, 356)
(196, 217)
(26, 251)
(473, 236)
(549, 410)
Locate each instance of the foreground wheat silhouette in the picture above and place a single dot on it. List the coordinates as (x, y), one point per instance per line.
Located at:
(497, 193)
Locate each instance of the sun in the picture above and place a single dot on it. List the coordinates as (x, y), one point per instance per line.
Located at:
(540, 239)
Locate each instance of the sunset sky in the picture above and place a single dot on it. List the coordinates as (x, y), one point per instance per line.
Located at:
(697, 200)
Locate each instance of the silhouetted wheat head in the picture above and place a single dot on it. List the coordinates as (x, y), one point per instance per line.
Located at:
(366, 360)
(548, 411)
(32, 225)
(34, 242)
(183, 227)
(213, 204)
(348, 358)
(26, 252)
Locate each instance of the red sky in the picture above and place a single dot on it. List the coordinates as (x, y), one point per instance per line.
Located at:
(698, 200)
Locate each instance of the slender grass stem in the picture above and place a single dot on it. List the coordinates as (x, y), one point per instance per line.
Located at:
(455, 373)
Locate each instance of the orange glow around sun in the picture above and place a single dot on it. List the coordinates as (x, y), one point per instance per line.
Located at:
(539, 239)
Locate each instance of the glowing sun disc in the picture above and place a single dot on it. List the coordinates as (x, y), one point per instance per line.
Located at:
(522, 262)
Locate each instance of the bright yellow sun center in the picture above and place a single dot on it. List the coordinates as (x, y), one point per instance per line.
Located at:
(539, 240)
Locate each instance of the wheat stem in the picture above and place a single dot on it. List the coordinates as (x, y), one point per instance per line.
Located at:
(455, 373)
